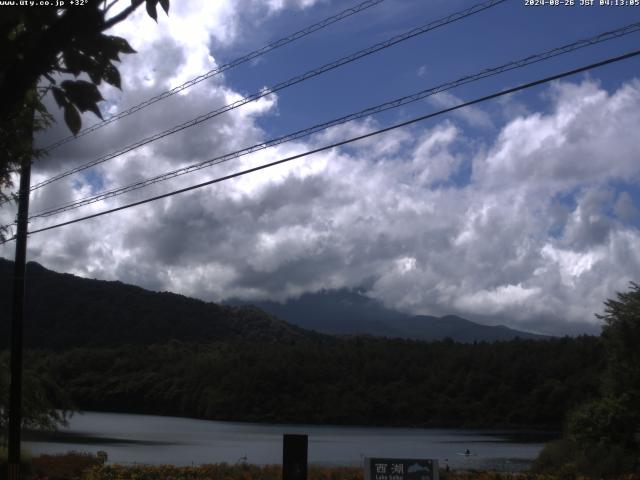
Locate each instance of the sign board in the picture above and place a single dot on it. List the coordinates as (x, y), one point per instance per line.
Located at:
(400, 469)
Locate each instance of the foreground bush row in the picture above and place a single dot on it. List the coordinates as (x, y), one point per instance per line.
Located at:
(214, 472)
(271, 472)
(86, 466)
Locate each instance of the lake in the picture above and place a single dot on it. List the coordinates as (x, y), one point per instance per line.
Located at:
(147, 439)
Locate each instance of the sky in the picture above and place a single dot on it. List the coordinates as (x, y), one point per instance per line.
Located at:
(522, 211)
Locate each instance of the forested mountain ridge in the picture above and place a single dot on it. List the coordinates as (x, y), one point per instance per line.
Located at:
(355, 381)
(345, 311)
(64, 311)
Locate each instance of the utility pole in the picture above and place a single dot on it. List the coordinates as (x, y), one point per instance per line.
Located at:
(17, 314)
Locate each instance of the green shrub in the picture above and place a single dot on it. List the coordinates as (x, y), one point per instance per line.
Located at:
(554, 456)
(568, 459)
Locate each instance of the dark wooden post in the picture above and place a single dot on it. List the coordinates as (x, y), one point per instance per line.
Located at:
(294, 457)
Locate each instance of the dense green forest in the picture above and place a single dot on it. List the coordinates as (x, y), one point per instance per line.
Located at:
(356, 380)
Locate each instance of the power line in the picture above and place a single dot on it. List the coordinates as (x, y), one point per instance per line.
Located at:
(280, 86)
(345, 142)
(227, 66)
(632, 28)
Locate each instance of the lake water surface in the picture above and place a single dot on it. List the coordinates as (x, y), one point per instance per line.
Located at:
(146, 439)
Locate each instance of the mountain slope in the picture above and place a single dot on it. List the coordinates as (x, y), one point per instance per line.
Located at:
(64, 311)
(351, 312)
(424, 327)
(336, 312)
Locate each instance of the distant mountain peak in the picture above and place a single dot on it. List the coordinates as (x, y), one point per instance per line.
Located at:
(350, 311)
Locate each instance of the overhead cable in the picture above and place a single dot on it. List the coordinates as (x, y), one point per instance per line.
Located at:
(222, 68)
(632, 28)
(344, 142)
(280, 86)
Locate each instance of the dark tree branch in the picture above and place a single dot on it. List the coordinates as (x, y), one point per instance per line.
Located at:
(122, 15)
(108, 7)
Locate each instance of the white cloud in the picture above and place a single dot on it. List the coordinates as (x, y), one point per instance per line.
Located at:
(474, 116)
(432, 159)
(570, 264)
(497, 300)
(585, 139)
